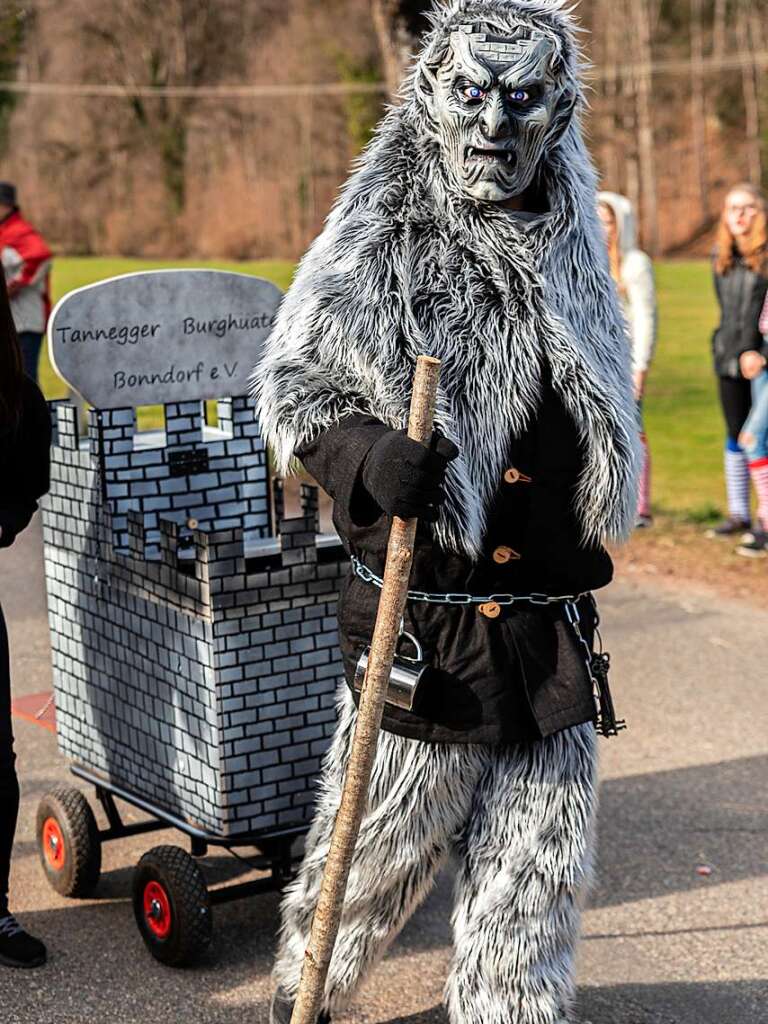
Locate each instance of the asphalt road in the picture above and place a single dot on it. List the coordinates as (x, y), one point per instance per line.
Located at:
(686, 786)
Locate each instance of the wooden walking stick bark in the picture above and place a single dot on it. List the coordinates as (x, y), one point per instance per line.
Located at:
(327, 918)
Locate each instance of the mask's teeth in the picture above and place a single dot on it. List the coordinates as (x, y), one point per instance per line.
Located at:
(509, 158)
(471, 151)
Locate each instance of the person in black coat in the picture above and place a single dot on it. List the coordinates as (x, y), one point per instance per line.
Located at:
(25, 438)
(738, 349)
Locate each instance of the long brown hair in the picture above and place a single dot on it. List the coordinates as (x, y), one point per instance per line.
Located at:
(11, 366)
(753, 247)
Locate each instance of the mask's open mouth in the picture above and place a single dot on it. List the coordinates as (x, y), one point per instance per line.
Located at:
(490, 155)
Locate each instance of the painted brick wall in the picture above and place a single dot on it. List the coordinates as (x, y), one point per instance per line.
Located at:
(194, 646)
(228, 490)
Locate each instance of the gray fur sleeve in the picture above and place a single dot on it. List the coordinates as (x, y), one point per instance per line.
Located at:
(324, 362)
(296, 402)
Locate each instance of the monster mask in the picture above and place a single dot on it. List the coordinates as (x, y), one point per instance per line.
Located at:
(497, 101)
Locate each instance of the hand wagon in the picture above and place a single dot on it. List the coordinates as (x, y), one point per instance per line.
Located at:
(195, 656)
(172, 902)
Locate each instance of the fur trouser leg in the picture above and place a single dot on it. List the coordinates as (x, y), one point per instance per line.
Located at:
(527, 855)
(419, 798)
(521, 818)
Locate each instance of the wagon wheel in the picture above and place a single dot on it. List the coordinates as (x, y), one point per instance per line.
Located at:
(171, 905)
(68, 842)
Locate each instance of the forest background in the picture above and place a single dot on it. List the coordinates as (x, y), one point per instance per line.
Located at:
(224, 129)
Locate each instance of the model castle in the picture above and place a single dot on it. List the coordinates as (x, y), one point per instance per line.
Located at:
(193, 625)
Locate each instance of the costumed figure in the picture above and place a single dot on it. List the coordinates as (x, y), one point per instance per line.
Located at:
(632, 271)
(467, 232)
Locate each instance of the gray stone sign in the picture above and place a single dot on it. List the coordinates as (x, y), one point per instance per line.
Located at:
(162, 336)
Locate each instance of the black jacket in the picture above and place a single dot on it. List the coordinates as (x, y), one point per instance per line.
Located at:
(740, 294)
(516, 677)
(24, 463)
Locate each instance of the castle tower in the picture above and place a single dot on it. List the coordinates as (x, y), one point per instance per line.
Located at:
(195, 651)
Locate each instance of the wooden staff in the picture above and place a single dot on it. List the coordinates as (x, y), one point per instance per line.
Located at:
(354, 796)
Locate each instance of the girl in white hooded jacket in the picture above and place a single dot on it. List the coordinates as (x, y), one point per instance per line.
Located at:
(632, 271)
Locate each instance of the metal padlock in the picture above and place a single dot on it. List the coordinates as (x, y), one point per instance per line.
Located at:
(405, 678)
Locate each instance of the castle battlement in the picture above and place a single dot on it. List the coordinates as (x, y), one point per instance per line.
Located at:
(193, 624)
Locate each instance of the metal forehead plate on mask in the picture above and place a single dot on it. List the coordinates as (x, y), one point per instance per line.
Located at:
(524, 46)
(500, 51)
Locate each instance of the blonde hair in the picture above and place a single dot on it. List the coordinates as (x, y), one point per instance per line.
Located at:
(614, 252)
(752, 247)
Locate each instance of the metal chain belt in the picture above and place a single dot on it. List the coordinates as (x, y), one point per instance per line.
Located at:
(574, 619)
(368, 576)
(596, 664)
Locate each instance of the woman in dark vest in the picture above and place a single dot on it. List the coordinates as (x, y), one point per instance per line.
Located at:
(741, 282)
(25, 438)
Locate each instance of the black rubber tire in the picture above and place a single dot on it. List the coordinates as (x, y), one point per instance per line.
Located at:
(191, 924)
(79, 874)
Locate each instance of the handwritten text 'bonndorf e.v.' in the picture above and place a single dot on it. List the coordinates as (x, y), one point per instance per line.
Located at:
(173, 375)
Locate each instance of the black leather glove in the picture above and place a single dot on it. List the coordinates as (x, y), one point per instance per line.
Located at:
(404, 478)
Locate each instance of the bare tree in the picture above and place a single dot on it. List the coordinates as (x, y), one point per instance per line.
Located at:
(758, 31)
(699, 107)
(15, 19)
(749, 88)
(758, 28)
(399, 24)
(609, 15)
(718, 29)
(132, 172)
(139, 43)
(641, 20)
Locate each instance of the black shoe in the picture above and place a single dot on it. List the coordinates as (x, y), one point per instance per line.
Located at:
(730, 527)
(17, 948)
(281, 1008)
(643, 522)
(754, 545)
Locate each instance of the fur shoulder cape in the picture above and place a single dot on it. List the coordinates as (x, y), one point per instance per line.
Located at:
(407, 264)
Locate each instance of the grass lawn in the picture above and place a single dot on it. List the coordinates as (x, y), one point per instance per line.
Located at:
(682, 417)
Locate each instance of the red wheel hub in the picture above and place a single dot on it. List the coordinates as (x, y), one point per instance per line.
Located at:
(157, 909)
(53, 844)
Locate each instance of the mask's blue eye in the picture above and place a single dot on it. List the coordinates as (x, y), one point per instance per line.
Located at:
(472, 92)
(519, 96)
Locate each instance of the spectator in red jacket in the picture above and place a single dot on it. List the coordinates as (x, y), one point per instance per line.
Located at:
(26, 263)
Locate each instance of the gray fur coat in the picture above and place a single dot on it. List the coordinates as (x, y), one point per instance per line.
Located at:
(408, 264)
